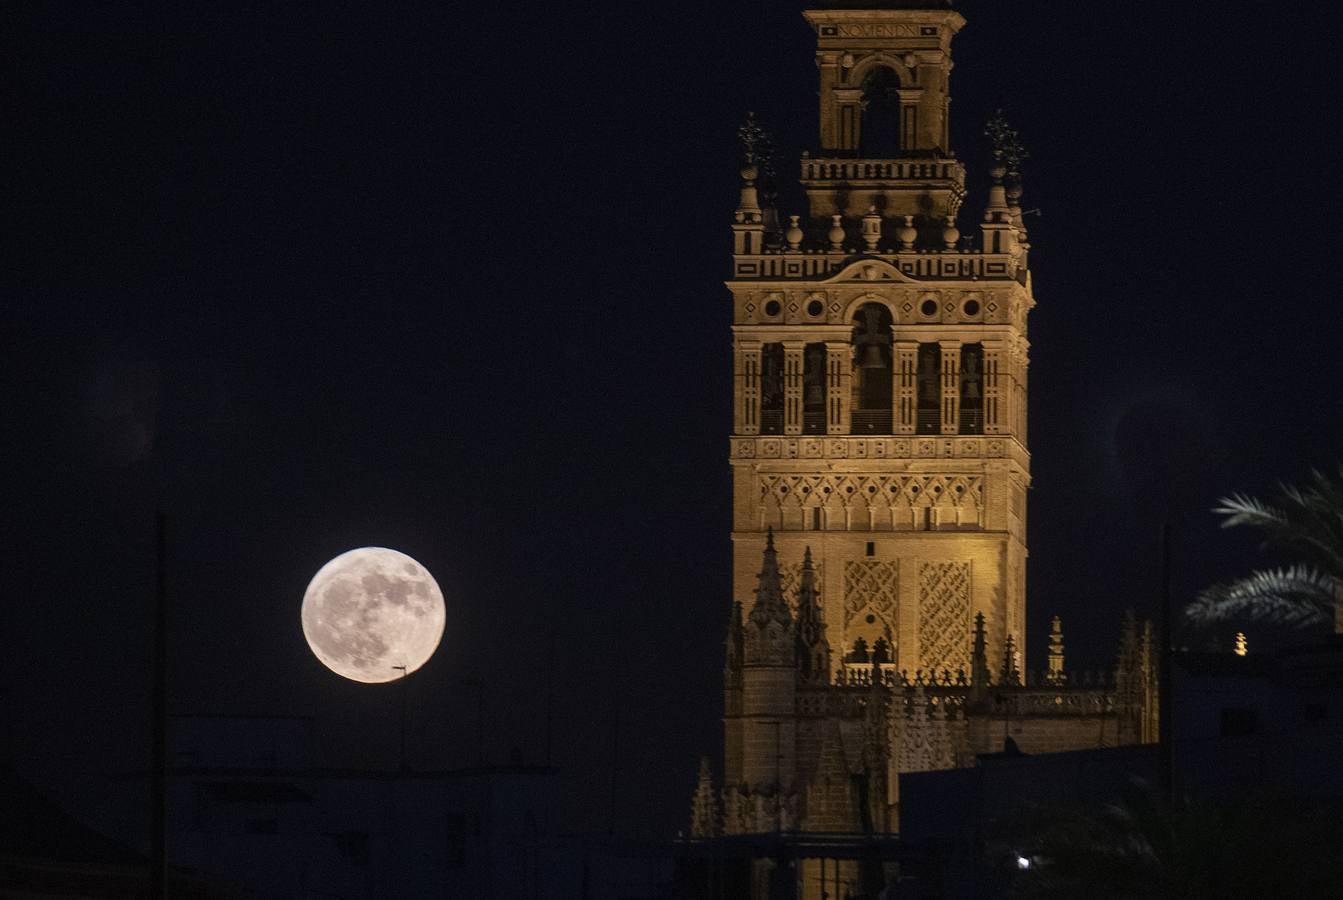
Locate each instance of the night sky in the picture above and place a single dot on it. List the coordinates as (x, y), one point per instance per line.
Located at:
(448, 278)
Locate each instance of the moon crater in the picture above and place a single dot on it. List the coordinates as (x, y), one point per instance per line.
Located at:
(370, 611)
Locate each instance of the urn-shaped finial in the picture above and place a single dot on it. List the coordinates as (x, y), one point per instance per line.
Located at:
(950, 234)
(836, 232)
(908, 233)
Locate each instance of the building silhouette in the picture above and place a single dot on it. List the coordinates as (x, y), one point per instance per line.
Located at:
(880, 473)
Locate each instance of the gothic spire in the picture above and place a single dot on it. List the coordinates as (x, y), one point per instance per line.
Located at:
(771, 639)
(770, 606)
(813, 649)
(1010, 673)
(704, 817)
(1055, 675)
(979, 658)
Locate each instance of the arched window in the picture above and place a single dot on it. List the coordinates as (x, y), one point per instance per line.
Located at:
(879, 133)
(930, 389)
(813, 389)
(771, 389)
(972, 389)
(872, 370)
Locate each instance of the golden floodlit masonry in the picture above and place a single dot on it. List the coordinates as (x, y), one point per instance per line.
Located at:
(880, 463)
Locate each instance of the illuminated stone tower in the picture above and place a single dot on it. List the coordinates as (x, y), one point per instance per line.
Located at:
(880, 470)
(879, 389)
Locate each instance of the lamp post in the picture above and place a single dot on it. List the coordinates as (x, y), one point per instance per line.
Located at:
(404, 673)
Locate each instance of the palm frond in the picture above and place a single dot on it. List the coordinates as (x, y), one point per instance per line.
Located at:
(1242, 509)
(1296, 595)
(1307, 521)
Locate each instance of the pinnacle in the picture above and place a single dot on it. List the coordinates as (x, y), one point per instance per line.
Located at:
(770, 605)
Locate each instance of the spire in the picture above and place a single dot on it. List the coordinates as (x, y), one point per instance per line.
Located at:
(1056, 675)
(748, 229)
(752, 138)
(704, 805)
(1002, 229)
(1001, 135)
(1010, 674)
(770, 607)
(813, 649)
(769, 191)
(770, 636)
(979, 659)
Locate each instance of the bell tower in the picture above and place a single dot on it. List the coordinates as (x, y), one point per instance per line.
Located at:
(885, 73)
(879, 381)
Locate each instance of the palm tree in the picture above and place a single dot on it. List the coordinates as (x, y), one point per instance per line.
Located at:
(1261, 842)
(1305, 522)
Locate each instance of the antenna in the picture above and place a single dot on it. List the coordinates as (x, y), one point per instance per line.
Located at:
(404, 673)
(159, 774)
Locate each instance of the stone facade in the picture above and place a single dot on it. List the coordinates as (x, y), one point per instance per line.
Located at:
(880, 461)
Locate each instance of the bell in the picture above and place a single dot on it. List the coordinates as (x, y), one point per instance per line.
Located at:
(871, 358)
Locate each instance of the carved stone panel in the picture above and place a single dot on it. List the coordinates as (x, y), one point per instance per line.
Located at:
(944, 615)
(870, 587)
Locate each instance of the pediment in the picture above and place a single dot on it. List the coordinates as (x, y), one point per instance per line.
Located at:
(869, 270)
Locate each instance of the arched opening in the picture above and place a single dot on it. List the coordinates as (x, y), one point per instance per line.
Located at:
(872, 370)
(813, 389)
(930, 389)
(879, 131)
(972, 389)
(771, 389)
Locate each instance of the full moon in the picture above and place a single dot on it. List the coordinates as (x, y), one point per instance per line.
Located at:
(371, 611)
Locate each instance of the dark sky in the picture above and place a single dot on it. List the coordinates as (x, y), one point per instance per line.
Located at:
(448, 278)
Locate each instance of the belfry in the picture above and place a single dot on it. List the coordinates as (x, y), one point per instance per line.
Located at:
(879, 455)
(880, 372)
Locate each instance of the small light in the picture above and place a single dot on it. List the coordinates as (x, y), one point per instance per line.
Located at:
(1023, 863)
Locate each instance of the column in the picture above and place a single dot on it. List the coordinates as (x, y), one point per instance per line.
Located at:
(1023, 363)
(747, 412)
(905, 373)
(828, 64)
(946, 124)
(793, 362)
(910, 99)
(838, 386)
(994, 361)
(849, 116)
(951, 386)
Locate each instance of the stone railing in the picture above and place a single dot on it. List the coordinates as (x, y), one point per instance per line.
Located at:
(882, 170)
(921, 264)
(889, 447)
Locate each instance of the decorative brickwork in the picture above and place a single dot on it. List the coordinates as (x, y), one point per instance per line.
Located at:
(944, 615)
(870, 586)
